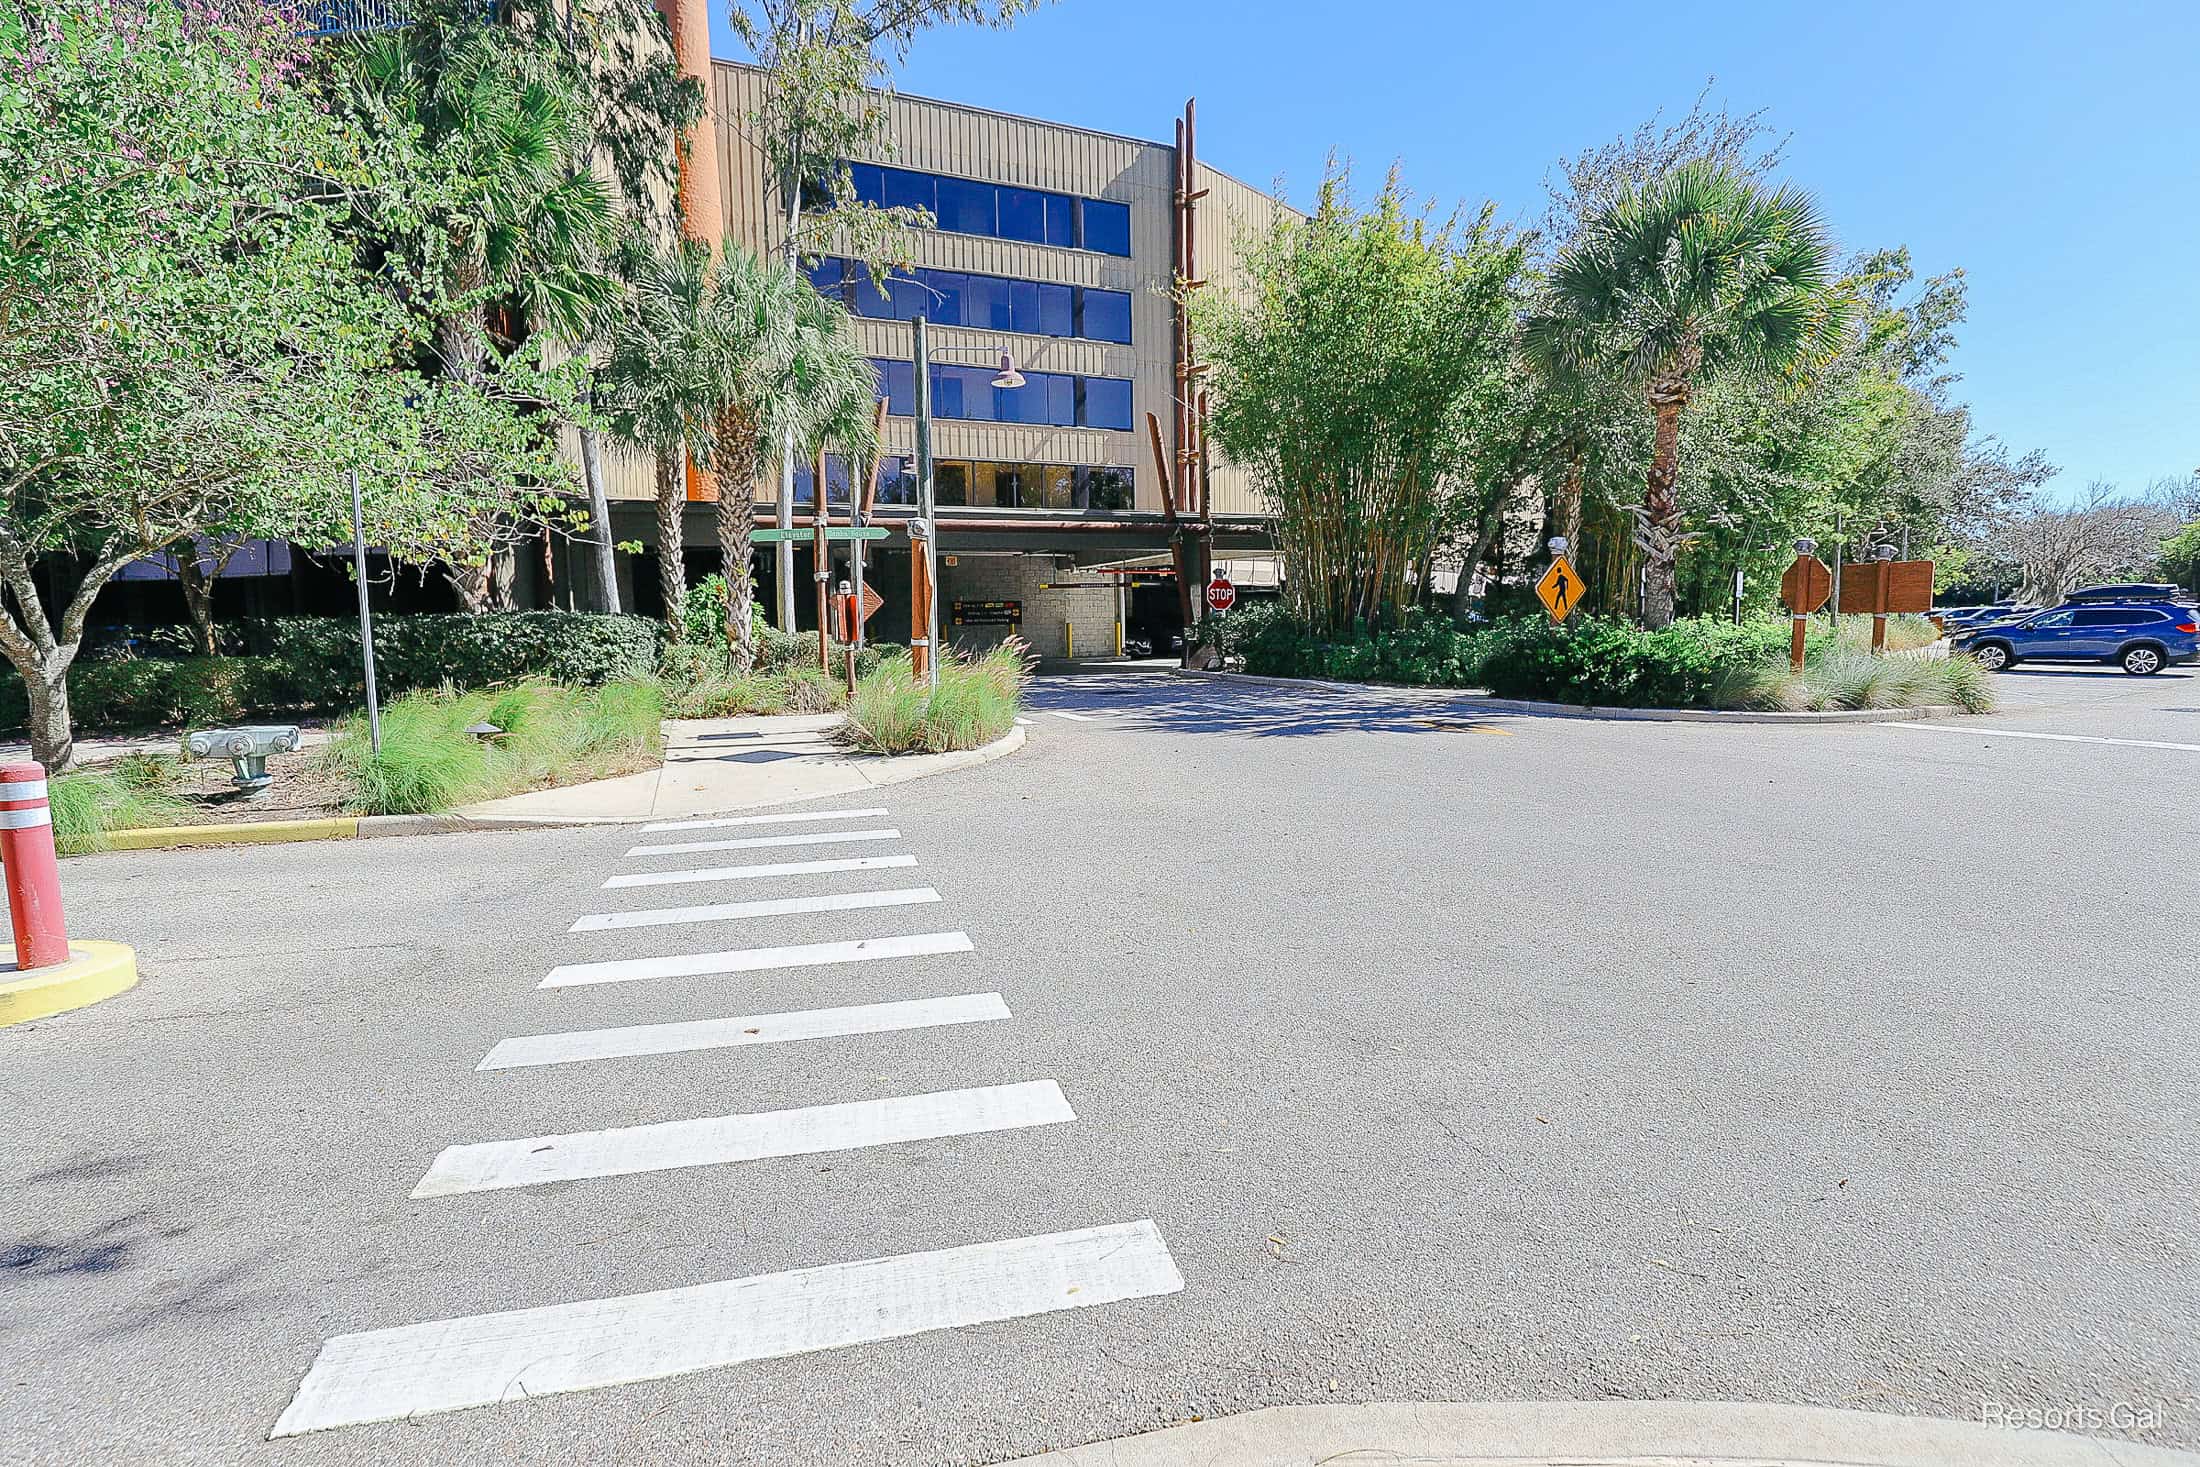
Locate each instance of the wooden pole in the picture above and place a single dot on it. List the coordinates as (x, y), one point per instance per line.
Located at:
(821, 567)
(1795, 642)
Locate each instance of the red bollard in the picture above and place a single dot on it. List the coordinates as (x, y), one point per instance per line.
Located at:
(33, 875)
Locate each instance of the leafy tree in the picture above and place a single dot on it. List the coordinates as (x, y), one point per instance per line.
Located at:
(659, 387)
(2103, 537)
(1366, 381)
(180, 327)
(490, 221)
(788, 370)
(1691, 275)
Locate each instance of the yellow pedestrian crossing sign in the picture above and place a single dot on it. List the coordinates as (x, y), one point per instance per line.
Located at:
(1559, 589)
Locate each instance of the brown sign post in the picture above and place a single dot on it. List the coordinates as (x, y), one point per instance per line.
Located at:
(1804, 588)
(1884, 587)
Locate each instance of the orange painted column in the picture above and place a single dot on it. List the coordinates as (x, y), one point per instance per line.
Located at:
(702, 211)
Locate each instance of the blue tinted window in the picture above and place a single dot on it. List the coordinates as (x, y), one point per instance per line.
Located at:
(906, 190)
(1024, 215)
(1057, 311)
(1105, 315)
(869, 299)
(1023, 306)
(1107, 403)
(910, 297)
(898, 383)
(1061, 221)
(1107, 227)
(870, 182)
(1061, 401)
(966, 207)
(826, 276)
(986, 304)
(948, 290)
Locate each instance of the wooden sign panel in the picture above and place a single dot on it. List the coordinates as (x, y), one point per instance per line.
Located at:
(1909, 587)
(1806, 585)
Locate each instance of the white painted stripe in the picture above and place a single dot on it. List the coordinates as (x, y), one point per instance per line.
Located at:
(1079, 717)
(26, 819)
(531, 1161)
(2012, 733)
(22, 789)
(845, 901)
(647, 1039)
(760, 820)
(451, 1364)
(757, 959)
(756, 873)
(761, 842)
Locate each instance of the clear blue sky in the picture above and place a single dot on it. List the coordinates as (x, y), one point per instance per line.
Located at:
(2049, 149)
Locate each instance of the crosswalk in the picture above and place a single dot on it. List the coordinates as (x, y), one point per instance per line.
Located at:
(452, 1364)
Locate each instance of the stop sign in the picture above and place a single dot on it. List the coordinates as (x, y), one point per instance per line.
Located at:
(1221, 595)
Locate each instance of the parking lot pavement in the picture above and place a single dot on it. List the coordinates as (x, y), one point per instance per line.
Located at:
(1447, 1059)
(2081, 704)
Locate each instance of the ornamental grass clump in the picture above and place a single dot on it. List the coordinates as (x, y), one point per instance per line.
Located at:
(123, 794)
(975, 703)
(547, 734)
(1841, 677)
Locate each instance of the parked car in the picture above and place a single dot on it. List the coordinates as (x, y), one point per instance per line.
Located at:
(1953, 617)
(2131, 591)
(2142, 637)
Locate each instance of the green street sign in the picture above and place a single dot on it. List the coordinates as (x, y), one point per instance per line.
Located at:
(832, 532)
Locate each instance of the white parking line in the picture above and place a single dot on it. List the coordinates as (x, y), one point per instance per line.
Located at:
(530, 1161)
(450, 1364)
(844, 901)
(756, 873)
(761, 842)
(646, 1039)
(757, 959)
(722, 821)
(1075, 717)
(2011, 733)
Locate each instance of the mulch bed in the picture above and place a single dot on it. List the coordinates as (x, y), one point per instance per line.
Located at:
(300, 792)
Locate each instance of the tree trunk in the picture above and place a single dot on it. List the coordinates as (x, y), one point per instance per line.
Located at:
(1569, 504)
(671, 573)
(736, 520)
(1661, 509)
(53, 740)
(599, 511)
(198, 596)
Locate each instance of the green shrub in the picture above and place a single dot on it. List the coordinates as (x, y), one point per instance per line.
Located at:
(553, 734)
(321, 654)
(974, 704)
(121, 794)
(1617, 664)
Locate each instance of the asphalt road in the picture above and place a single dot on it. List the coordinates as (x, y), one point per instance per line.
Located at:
(1451, 1056)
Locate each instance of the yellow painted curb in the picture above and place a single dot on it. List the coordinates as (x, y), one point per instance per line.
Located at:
(95, 970)
(234, 833)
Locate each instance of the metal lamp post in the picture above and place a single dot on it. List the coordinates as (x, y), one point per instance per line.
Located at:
(921, 361)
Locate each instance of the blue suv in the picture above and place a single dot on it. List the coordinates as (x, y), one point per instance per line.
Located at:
(2142, 637)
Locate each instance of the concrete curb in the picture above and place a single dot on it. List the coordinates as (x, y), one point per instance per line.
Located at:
(1598, 1434)
(95, 970)
(896, 769)
(1572, 710)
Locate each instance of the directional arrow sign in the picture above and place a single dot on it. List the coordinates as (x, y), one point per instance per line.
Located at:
(1560, 589)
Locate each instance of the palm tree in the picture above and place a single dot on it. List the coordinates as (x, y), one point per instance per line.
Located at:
(515, 239)
(790, 370)
(1693, 273)
(660, 384)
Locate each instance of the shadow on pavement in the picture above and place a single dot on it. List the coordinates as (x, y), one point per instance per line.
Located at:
(1172, 705)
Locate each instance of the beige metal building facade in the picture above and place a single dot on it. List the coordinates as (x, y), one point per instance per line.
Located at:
(1057, 246)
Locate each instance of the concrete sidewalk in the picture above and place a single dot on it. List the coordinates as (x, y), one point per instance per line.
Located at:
(713, 765)
(1601, 1434)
